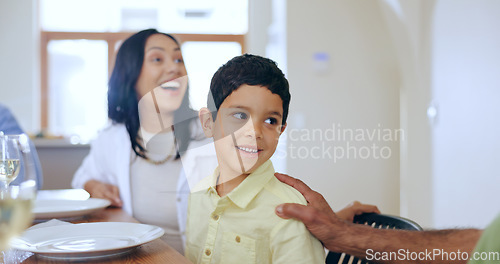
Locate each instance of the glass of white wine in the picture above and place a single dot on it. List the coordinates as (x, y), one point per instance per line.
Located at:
(15, 199)
(10, 159)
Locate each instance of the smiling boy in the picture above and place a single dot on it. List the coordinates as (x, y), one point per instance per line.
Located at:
(231, 216)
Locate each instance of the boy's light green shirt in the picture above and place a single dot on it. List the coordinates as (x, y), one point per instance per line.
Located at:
(242, 227)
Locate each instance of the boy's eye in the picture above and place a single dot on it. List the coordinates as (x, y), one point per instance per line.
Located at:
(157, 59)
(271, 121)
(240, 115)
(178, 61)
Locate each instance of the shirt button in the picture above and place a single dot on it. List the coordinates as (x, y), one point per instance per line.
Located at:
(238, 239)
(208, 252)
(215, 217)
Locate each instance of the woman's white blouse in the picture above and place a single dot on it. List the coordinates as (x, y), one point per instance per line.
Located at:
(110, 160)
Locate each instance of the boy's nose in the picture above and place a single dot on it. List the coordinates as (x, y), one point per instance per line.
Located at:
(254, 129)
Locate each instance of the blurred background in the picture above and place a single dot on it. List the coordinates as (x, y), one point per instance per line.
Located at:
(394, 102)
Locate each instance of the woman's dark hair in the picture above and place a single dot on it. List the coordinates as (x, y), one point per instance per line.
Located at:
(122, 95)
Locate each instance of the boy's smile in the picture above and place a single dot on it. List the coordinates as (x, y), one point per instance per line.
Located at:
(246, 130)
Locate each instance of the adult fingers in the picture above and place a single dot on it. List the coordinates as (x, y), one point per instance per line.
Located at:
(356, 208)
(313, 198)
(106, 191)
(114, 196)
(295, 183)
(297, 211)
(360, 208)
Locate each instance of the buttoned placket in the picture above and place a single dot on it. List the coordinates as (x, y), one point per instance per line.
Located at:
(213, 226)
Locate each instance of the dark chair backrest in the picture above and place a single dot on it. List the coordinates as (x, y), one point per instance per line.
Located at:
(379, 221)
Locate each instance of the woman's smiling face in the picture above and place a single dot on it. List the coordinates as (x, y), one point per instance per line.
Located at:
(163, 73)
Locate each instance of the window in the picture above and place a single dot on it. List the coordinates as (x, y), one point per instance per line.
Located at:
(214, 54)
(78, 75)
(79, 40)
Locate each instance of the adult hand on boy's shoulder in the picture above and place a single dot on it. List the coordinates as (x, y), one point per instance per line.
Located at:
(314, 199)
(318, 216)
(317, 201)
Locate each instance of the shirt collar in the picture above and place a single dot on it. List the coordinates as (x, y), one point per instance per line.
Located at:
(244, 193)
(212, 182)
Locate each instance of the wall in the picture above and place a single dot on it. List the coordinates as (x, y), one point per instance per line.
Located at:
(466, 81)
(20, 60)
(447, 64)
(409, 23)
(259, 16)
(59, 160)
(357, 87)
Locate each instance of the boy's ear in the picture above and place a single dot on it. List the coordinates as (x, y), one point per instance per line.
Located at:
(207, 123)
(283, 128)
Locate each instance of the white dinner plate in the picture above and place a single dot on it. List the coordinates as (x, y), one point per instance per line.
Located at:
(62, 194)
(44, 209)
(87, 241)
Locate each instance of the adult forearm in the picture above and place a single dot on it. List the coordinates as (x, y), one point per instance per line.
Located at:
(366, 242)
(401, 246)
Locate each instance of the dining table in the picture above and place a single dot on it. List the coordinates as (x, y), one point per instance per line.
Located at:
(154, 252)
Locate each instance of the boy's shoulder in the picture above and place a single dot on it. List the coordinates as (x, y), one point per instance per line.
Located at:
(285, 192)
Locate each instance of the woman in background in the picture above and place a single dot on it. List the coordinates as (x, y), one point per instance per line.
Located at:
(135, 162)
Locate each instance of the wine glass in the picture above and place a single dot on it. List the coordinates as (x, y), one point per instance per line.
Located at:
(10, 159)
(16, 200)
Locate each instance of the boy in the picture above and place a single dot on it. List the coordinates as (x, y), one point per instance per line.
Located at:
(231, 215)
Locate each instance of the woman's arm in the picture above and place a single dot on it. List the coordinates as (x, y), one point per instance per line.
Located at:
(98, 189)
(95, 174)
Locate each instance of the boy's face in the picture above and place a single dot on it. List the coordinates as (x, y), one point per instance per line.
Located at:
(247, 128)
